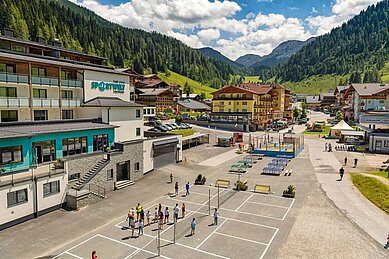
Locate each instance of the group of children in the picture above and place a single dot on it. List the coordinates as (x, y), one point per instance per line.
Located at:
(140, 217)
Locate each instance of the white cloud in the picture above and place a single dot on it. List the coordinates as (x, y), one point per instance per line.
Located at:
(351, 7)
(207, 35)
(190, 40)
(314, 10)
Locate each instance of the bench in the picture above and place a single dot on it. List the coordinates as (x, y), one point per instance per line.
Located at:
(222, 183)
(288, 172)
(245, 181)
(262, 188)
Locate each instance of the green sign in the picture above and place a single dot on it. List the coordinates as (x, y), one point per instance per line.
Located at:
(116, 87)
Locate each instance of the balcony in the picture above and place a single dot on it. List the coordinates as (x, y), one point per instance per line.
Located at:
(14, 102)
(13, 78)
(45, 103)
(44, 81)
(70, 103)
(72, 83)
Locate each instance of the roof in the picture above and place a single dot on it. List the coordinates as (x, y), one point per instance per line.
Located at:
(352, 133)
(368, 89)
(153, 91)
(110, 102)
(195, 105)
(191, 96)
(57, 62)
(23, 129)
(251, 88)
(313, 99)
(341, 88)
(342, 125)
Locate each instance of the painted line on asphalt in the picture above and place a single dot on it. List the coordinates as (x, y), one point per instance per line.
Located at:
(241, 238)
(267, 204)
(267, 247)
(205, 240)
(76, 256)
(237, 209)
(75, 246)
(288, 209)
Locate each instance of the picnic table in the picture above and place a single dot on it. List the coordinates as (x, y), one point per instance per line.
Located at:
(277, 164)
(239, 168)
(246, 162)
(272, 170)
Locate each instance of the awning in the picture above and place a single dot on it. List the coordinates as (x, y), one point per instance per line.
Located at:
(165, 142)
(352, 133)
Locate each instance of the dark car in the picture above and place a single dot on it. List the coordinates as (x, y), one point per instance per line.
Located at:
(162, 128)
(154, 130)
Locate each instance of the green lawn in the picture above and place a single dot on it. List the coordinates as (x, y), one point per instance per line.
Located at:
(373, 189)
(326, 131)
(381, 174)
(184, 132)
(178, 79)
(385, 73)
(253, 79)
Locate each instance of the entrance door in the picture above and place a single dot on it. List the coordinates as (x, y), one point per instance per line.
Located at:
(123, 171)
(164, 155)
(39, 155)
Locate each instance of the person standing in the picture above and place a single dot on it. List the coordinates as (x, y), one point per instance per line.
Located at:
(193, 227)
(138, 210)
(183, 210)
(94, 255)
(355, 162)
(176, 211)
(140, 228)
(161, 220)
(167, 213)
(386, 246)
(325, 147)
(215, 216)
(148, 216)
(187, 189)
(341, 173)
(129, 216)
(171, 177)
(132, 226)
(156, 215)
(159, 207)
(345, 161)
(329, 147)
(176, 189)
(142, 215)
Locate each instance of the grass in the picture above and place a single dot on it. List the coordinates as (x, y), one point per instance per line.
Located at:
(373, 189)
(253, 79)
(326, 131)
(184, 132)
(381, 174)
(178, 79)
(384, 72)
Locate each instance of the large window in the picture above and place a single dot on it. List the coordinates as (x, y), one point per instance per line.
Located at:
(17, 197)
(138, 113)
(43, 151)
(40, 115)
(51, 188)
(67, 114)
(10, 154)
(9, 115)
(72, 146)
(67, 94)
(7, 68)
(39, 93)
(100, 142)
(8, 92)
(39, 71)
(138, 132)
(66, 75)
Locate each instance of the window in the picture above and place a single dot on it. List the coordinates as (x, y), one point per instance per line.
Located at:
(138, 113)
(74, 176)
(17, 197)
(67, 94)
(9, 115)
(66, 75)
(39, 93)
(229, 103)
(244, 110)
(221, 110)
(237, 103)
(40, 115)
(237, 110)
(110, 174)
(137, 166)
(386, 143)
(137, 132)
(39, 71)
(10, 154)
(244, 103)
(67, 114)
(72, 146)
(243, 95)
(18, 48)
(43, 151)
(50, 188)
(8, 92)
(7, 68)
(100, 142)
(5, 46)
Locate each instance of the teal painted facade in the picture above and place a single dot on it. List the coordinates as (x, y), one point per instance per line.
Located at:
(27, 151)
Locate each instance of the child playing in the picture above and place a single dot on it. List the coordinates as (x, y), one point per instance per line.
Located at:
(148, 216)
(193, 226)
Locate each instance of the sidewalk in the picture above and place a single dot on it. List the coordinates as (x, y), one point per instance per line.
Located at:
(344, 195)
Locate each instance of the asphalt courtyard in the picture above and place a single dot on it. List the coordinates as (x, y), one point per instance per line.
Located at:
(243, 229)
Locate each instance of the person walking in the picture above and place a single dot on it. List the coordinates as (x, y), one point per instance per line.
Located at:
(386, 246)
(176, 189)
(132, 226)
(341, 173)
(355, 162)
(329, 147)
(176, 211)
(167, 213)
(171, 177)
(140, 228)
(161, 220)
(345, 161)
(129, 216)
(148, 216)
(215, 217)
(187, 189)
(193, 227)
(183, 210)
(325, 147)
(138, 210)
(159, 207)
(94, 255)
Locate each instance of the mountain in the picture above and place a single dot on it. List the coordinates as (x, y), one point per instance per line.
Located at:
(212, 53)
(80, 29)
(248, 60)
(358, 47)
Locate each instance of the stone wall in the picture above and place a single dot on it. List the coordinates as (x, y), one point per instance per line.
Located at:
(76, 202)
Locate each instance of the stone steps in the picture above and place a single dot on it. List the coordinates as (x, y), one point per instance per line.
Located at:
(123, 184)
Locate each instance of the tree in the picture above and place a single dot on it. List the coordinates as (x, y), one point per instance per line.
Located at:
(304, 112)
(187, 89)
(339, 116)
(296, 113)
(202, 96)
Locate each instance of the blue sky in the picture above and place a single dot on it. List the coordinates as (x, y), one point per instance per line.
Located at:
(234, 27)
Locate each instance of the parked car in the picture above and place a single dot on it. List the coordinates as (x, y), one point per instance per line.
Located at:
(154, 130)
(302, 121)
(187, 125)
(168, 127)
(162, 128)
(172, 125)
(183, 126)
(176, 125)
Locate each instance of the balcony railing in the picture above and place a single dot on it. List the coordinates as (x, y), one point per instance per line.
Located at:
(13, 78)
(50, 81)
(68, 103)
(14, 102)
(71, 83)
(45, 103)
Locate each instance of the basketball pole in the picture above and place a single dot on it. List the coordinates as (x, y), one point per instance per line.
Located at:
(209, 202)
(174, 232)
(159, 241)
(218, 197)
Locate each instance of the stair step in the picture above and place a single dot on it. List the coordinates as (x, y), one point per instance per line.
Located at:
(123, 184)
(98, 195)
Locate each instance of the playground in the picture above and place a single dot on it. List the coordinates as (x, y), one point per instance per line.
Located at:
(248, 223)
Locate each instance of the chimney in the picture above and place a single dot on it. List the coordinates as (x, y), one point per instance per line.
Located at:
(8, 32)
(57, 43)
(40, 40)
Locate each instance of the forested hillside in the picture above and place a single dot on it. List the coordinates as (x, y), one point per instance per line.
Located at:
(359, 47)
(80, 29)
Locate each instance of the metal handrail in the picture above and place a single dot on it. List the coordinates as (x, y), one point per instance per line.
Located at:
(13, 78)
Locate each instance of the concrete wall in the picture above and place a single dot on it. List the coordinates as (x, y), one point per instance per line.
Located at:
(55, 199)
(148, 160)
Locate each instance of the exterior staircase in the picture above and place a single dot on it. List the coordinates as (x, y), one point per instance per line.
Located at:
(123, 184)
(92, 173)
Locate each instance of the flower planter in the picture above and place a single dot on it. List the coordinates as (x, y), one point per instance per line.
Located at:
(287, 194)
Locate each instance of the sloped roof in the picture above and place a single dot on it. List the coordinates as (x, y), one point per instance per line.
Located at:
(313, 99)
(369, 89)
(110, 102)
(342, 125)
(153, 91)
(195, 105)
